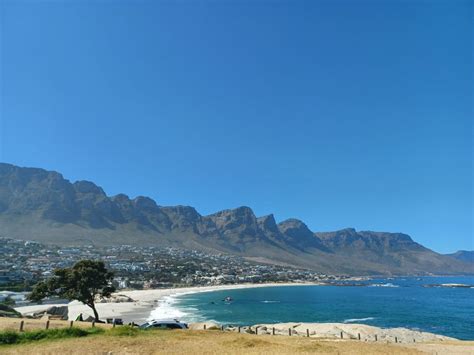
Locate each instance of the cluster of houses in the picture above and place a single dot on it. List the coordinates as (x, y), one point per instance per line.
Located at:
(26, 262)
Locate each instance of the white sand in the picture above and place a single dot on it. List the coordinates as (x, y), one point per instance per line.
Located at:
(145, 302)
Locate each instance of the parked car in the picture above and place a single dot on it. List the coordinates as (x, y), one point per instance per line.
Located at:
(164, 324)
(116, 321)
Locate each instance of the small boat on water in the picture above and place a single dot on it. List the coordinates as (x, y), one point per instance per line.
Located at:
(228, 299)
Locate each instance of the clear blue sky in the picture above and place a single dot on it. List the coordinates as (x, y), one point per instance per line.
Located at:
(341, 113)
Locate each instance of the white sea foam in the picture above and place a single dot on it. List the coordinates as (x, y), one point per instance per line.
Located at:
(354, 320)
(389, 284)
(167, 310)
(266, 301)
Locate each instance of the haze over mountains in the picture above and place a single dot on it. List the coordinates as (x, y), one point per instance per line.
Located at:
(463, 255)
(41, 205)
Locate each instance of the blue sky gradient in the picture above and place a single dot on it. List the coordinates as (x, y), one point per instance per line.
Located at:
(340, 113)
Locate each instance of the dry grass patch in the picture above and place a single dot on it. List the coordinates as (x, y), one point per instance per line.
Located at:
(247, 343)
(125, 340)
(200, 342)
(35, 324)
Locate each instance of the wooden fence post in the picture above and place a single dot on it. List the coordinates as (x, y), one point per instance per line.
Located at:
(273, 331)
(307, 333)
(375, 337)
(47, 324)
(22, 324)
(71, 323)
(289, 332)
(239, 328)
(342, 335)
(256, 330)
(93, 324)
(204, 326)
(396, 340)
(358, 335)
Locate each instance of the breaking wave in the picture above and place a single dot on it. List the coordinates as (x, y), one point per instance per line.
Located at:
(167, 310)
(354, 320)
(389, 284)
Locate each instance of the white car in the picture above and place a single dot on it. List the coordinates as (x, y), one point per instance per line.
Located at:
(164, 324)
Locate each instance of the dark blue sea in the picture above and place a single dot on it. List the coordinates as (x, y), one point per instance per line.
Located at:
(400, 302)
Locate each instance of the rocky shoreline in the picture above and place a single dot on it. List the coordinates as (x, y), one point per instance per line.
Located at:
(334, 331)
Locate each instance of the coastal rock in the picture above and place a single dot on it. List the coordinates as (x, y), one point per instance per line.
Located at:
(116, 298)
(57, 312)
(350, 331)
(204, 325)
(7, 311)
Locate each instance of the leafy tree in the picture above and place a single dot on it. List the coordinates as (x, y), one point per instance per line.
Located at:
(8, 301)
(85, 281)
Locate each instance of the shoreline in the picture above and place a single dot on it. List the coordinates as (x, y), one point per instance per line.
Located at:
(144, 301)
(147, 301)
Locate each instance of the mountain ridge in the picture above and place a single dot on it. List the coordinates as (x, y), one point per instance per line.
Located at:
(42, 205)
(463, 255)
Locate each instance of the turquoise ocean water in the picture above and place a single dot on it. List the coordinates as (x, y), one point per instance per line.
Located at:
(400, 302)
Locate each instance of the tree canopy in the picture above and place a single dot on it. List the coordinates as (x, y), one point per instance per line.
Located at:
(85, 281)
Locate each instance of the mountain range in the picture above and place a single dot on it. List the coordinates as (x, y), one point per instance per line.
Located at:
(463, 255)
(41, 205)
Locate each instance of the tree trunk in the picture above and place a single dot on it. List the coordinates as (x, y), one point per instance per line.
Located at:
(96, 315)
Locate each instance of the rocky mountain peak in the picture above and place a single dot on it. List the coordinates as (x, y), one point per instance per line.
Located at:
(237, 216)
(294, 228)
(144, 203)
(298, 234)
(87, 187)
(184, 212)
(120, 198)
(268, 223)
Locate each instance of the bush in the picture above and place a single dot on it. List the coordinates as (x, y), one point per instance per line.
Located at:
(11, 337)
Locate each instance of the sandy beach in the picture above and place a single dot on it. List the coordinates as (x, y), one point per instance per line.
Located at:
(144, 302)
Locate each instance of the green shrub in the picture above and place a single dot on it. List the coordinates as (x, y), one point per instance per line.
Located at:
(9, 337)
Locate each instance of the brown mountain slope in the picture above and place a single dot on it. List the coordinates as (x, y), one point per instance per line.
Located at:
(41, 205)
